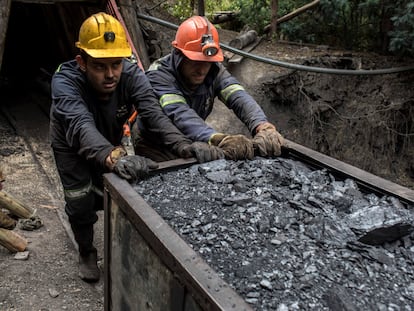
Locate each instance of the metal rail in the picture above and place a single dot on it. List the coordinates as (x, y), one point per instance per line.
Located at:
(366, 180)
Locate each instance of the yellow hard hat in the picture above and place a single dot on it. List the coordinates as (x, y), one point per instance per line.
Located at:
(102, 36)
(198, 39)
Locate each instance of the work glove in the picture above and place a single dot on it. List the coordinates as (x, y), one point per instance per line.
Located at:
(235, 147)
(130, 167)
(134, 167)
(268, 141)
(115, 155)
(203, 152)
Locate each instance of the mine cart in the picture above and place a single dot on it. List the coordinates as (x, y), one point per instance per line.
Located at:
(148, 266)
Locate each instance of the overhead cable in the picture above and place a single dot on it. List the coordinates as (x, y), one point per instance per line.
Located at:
(285, 64)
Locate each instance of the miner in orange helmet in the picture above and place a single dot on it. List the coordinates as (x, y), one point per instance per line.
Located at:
(93, 95)
(188, 80)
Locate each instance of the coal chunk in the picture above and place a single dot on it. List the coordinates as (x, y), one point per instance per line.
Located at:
(287, 237)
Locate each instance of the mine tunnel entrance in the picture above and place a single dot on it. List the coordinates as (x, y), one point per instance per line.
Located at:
(38, 38)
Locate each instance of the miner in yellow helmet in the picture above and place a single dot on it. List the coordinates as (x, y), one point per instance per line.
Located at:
(188, 80)
(92, 98)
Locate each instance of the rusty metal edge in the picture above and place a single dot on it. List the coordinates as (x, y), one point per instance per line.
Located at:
(208, 289)
(366, 180)
(107, 258)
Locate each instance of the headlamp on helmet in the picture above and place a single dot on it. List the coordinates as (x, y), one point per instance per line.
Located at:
(208, 46)
(198, 40)
(102, 36)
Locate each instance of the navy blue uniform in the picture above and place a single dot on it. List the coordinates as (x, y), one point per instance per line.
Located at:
(84, 130)
(189, 109)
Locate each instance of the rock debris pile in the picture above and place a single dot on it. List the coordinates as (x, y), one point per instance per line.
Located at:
(286, 237)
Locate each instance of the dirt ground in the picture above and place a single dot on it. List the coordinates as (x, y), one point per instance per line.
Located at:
(365, 121)
(48, 278)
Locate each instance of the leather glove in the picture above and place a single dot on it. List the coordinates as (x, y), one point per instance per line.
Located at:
(268, 141)
(235, 147)
(116, 154)
(203, 152)
(133, 167)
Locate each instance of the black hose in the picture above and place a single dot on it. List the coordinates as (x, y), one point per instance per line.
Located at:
(288, 65)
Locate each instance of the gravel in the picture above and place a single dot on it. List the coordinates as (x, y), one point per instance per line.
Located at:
(286, 237)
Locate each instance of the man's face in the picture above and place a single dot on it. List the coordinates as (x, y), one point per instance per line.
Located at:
(102, 73)
(194, 72)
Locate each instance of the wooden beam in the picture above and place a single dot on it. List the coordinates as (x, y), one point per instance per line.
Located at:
(4, 21)
(15, 206)
(293, 14)
(128, 13)
(12, 240)
(223, 17)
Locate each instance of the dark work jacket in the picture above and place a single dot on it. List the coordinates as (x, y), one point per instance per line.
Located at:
(189, 109)
(91, 128)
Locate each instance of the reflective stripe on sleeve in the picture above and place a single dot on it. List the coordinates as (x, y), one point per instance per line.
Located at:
(82, 192)
(225, 93)
(58, 68)
(168, 99)
(154, 66)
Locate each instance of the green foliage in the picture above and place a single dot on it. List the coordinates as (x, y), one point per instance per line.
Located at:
(369, 25)
(349, 23)
(181, 8)
(255, 14)
(184, 9)
(402, 37)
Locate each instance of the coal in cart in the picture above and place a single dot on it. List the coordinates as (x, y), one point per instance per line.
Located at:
(149, 266)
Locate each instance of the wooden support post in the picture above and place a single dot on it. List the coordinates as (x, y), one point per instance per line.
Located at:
(293, 14)
(12, 240)
(223, 17)
(15, 206)
(127, 9)
(5, 6)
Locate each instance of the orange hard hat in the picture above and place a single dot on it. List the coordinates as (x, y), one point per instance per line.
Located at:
(198, 39)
